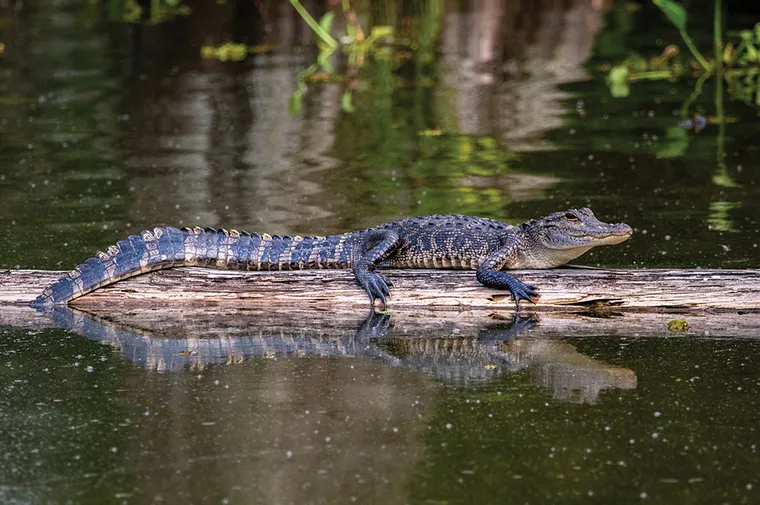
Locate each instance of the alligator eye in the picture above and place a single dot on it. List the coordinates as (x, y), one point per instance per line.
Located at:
(571, 216)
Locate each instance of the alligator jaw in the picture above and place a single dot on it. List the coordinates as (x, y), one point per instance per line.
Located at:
(619, 233)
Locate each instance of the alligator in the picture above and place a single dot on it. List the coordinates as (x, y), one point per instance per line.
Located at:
(441, 241)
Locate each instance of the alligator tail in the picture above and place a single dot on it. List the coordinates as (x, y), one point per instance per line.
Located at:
(168, 247)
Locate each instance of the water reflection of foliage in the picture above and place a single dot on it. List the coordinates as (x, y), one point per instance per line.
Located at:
(389, 37)
(738, 62)
(395, 42)
(719, 219)
(735, 65)
(436, 174)
(155, 12)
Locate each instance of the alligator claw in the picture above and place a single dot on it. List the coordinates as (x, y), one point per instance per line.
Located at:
(521, 291)
(376, 286)
(501, 280)
(384, 282)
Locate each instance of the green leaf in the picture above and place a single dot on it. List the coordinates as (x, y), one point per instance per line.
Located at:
(379, 32)
(323, 60)
(676, 143)
(673, 10)
(326, 22)
(752, 54)
(618, 75)
(294, 104)
(346, 103)
(620, 90)
(617, 80)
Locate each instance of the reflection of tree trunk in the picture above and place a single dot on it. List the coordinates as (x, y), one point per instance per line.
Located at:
(219, 146)
(284, 430)
(537, 45)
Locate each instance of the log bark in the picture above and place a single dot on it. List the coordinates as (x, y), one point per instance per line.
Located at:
(561, 289)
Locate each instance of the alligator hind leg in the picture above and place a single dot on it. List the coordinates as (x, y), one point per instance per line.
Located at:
(372, 251)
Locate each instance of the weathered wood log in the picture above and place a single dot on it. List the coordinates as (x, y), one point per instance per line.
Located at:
(193, 321)
(563, 289)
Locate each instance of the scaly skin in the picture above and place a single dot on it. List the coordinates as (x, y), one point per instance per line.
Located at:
(442, 241)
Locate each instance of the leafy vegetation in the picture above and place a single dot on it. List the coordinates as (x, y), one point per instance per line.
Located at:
(737, 62)
(735, 66)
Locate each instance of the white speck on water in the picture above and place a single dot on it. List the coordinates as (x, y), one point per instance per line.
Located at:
(289, 454)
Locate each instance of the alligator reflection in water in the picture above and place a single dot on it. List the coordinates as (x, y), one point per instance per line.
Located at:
(471, 353)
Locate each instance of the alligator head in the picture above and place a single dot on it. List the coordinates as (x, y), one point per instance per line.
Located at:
(563, 236)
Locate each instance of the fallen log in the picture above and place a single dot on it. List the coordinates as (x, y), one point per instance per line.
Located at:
(561, 289)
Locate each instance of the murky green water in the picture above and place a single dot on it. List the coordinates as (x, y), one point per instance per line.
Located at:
(107, 129)
(531, 420)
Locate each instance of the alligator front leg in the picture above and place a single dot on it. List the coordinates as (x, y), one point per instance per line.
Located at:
(375, 249)
(490, 275)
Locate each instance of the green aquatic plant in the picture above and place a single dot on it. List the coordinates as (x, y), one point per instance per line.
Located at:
(340, 32)
(737, 62)
(354, 43)
(734, 65)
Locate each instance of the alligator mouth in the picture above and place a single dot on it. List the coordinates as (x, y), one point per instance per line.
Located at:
(615, 237)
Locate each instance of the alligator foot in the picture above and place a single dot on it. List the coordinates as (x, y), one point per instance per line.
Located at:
(376, 285)
(499, 280)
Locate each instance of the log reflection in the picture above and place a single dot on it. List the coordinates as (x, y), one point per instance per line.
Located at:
(175, 339)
